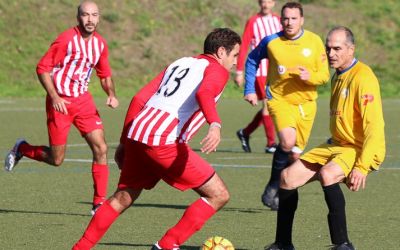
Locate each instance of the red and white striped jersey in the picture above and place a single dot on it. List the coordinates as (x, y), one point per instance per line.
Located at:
(184, 98)
(71, 59)
(257, 27)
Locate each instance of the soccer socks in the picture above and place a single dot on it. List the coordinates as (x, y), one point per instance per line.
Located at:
(192, 220)
(97, 227)
(100, 181)
(253, 125)
(269, 129)
(32, 152)
(337, 215)
(280, 161)
(288, 200)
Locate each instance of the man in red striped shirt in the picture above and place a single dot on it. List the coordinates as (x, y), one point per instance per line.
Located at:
(262, 24)
(64, 72)
(161, 118)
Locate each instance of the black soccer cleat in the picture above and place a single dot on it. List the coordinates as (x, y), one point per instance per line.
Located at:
(244, 140)
(343, 246)
(278, 246)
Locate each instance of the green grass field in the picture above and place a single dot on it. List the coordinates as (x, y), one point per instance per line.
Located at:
(43, 207)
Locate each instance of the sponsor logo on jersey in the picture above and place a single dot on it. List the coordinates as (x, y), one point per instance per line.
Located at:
(281, 69)
(306, 52)
(367, 98)
(344, 94)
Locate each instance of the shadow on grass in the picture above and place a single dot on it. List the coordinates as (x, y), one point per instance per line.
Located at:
(183, 207)
(149, 246)
(41, 212)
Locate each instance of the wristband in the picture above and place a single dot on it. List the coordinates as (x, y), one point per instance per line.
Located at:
(215, 124)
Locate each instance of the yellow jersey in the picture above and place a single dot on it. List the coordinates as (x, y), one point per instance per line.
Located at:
(356, 117)
(285, 57)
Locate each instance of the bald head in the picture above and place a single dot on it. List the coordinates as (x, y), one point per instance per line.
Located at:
(88, 17)
(340, 47)
(86, 5)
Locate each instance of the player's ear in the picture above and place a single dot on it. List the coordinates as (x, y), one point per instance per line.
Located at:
(220, 52)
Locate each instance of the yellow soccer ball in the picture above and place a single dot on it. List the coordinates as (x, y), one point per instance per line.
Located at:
(217, 243)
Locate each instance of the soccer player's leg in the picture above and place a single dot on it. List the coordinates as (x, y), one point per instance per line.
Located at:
(58, 126)
(191, 171)
(90, 125)
(136, 175)
(284, 116)
(331, 175)
(296, 175)
(105, 217)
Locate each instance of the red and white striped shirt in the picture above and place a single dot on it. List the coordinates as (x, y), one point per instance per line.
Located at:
(71, 59)
(257, 27)
(174, 105)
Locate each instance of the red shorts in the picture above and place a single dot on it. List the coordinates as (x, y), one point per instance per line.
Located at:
(176, 164)
(260, 87)
(82, 113)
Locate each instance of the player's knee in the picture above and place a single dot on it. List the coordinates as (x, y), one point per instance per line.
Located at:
(100, 152)
(58, 160)
(287, 180)
(326, 177)
(224, 197)
(287, 145)
(121, 200)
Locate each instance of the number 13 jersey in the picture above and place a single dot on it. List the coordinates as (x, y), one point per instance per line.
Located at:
(184, 98)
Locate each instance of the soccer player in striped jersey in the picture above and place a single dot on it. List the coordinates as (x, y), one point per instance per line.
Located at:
(262, 24)
(161, 119)
(64, 72)
(356, 147)
(297, 65)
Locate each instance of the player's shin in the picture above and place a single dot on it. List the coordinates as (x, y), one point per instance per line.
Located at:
(288, 200)
(192, 220)
(337, 215)
(100, 181)
(97, 227)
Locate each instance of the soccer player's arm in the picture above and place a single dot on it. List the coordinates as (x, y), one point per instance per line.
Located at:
(139, 101)
(244, 46)
(103, 71)
(252, 64)
(212, 85)
(319, 74)
(54, 56)
(370, 108)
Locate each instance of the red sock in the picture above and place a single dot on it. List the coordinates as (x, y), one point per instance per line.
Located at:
(32, 152)
(97, 227)
(269, 129)
(253, 125)
(100, 182)
(192, 220)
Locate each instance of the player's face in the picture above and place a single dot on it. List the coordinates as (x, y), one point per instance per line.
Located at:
(229, 60)
(292, 21)
(340, 53)
(266, 6)
(88, 17)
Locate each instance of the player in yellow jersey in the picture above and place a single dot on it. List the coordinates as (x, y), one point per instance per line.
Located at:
(356, 148)
(297, 65)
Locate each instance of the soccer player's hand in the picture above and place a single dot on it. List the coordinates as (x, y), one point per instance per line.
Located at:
(252, 99)
(239, 80)
(59, 104)
(112, 102)
(304, 73)
(356, 179)
(211, 141)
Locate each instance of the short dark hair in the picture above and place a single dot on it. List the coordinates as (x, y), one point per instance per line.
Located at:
(292, 5)
(221, 37)
(349, 34)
